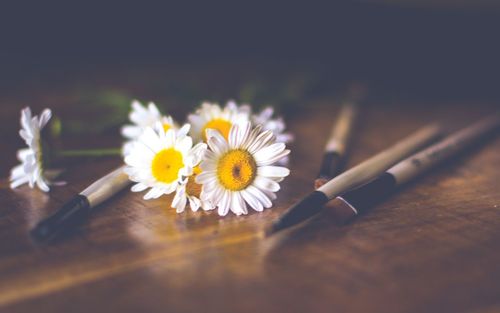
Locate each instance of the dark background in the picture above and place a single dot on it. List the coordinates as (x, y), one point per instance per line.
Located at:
(440, 49)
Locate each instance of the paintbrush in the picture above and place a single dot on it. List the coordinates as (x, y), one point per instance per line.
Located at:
(337, 144)
(79, 207)
(361, 199)
(360, 174)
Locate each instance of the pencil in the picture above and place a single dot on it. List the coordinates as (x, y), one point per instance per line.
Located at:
(336, 146)
(362, 173)
(78, 208)
(361, 199)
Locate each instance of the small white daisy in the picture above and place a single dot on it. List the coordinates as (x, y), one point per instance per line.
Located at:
(142, 117)
(240, 171)
(277, 125)
(212, 116)
(31, 169)
(160, 160)
(188, 189)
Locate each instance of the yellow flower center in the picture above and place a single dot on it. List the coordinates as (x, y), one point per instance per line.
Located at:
(236, 169)
(192, 188)
(222, 125)
(166, 165)
(166, 126)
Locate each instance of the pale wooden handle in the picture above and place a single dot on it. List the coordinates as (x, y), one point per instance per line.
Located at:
(342, 129)
(376, 165)
(418, 163)
(106, 186)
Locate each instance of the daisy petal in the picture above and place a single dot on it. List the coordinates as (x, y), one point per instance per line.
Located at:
(266, 184)
(273, 159)
(153, 193)
(194, 203)
(44, 118)
(138, 187)
(252, 201)
(19, 181)
(130, 131)
(260, 196)
(225, 203)
(179, 201)
(42, 184)
(184, 130)
(273, 171)
(205, 176)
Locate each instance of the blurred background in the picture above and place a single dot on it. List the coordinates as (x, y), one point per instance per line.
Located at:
(91, 59)
(441, 48)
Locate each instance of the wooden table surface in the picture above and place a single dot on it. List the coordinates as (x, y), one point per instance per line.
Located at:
(433, 247)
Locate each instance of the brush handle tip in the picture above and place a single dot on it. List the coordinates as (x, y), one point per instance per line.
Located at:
(301, 211)
(70, 214)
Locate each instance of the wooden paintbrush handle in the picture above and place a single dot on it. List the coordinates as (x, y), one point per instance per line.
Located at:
(376, 165)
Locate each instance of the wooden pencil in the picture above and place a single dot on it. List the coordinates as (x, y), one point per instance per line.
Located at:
(362, 173)
(359, 200)
(79, 207)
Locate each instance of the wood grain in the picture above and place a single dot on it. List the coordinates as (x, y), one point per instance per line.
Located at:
(434, 247)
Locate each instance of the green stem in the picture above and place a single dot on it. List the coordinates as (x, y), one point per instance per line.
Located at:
(90, 152)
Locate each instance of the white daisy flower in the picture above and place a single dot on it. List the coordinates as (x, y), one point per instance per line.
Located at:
(160, 160)
(188, 189)
(31, 169)
(240, 171)
(277, 125)
(212, 116)
(142, 117)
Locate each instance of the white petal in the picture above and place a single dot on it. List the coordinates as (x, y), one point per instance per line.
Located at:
(214, 197)
(153, 110)
(252, 201)
(131, 131)
(184, 144)
(19, 181)
(238, 204)
(285, 137)
(26, 119)
(206, 205)
(150, 139)
(17, 172)
(170, 138)
(42, 184)
(205, 177)
(44, 118)
(225, 203)
(179, 201)
(266, 184)
(197, 152)
(238, 134)
(194, 203)
(140, 158)
(266, 158)
(269, 151)
(266, 114)
(260, 196)
(138, 187)
(30, 164)
(208, 166)
(264, 139)
(27, 136)
(169, 188)
(23, 153)
(184, 130)
(271, 195)
(153, 193)
(216, 142)
(273, 171)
